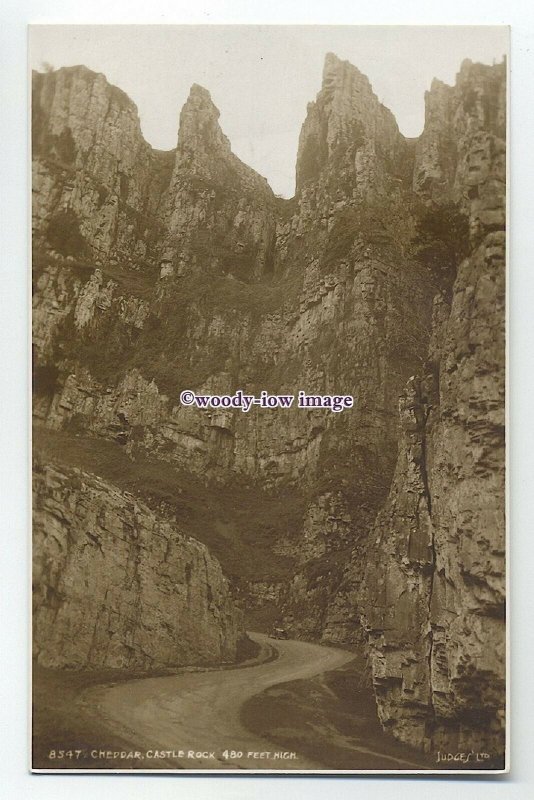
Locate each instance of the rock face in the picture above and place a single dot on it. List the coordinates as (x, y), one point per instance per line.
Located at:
(118, 586)
(435, 616)
(97, 185)
(212, 190)
(319, 293)
(350, 143)
(385, 271)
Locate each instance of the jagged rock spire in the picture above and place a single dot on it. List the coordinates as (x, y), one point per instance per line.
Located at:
(200, 131)
(345, 128)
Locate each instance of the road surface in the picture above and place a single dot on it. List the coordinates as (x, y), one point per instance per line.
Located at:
(199, 712)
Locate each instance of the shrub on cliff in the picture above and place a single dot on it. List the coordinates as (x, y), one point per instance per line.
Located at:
(64, 234)
(441, 241)
(384, 224)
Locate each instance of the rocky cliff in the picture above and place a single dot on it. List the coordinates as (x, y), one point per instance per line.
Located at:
(218, 214)
(435, 615)
(387, 264)
(253, 292)
(96, 183)
(116, 585)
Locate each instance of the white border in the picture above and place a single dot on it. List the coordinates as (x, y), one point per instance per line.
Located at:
(15, 17)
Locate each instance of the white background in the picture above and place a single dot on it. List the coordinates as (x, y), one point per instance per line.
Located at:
(15, 781)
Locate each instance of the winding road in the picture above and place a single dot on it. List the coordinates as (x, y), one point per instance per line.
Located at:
(199, 712)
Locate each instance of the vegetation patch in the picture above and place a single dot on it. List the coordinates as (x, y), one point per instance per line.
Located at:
(163, 350)
(238, 523)
(441, 242)
(385, 226)
(64, 234)
(45, 380)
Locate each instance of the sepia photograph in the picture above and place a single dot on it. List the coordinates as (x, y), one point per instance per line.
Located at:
(269, 269)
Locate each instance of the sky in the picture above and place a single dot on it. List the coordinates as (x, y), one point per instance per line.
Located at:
(261, 78)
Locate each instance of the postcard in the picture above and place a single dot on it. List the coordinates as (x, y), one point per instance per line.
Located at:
(269, 292)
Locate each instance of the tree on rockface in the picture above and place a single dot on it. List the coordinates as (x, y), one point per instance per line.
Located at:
(64, 234)
(441, 241)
